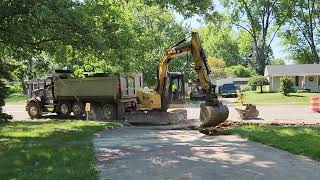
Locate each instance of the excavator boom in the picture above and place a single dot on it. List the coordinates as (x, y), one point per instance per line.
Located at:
(212, 112)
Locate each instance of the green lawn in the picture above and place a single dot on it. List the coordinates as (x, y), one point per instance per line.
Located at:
(300, 140)
(16, 99)
(48, 150)
(253, 97)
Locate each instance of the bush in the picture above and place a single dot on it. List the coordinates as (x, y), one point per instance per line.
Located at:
(247, 88)
(17, 88)
(286, 85)
(4, 91)
(258, 81)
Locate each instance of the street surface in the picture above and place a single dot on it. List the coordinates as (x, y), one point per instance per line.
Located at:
(268, 114)
(138, 153)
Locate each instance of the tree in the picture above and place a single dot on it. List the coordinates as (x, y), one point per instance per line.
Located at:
(239, 71)
(217, 67)
(187, 7)
(286, 85)
(31, 30)
(118, 36)
(258, 81)
(302, 32)
(220, 41)
(257, 18)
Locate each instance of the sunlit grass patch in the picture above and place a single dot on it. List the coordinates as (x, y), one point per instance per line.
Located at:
(49, 149)
(300, 140)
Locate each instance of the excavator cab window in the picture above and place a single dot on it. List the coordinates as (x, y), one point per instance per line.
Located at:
(176, 88)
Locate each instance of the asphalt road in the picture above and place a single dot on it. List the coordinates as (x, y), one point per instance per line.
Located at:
(138, 153)
(268, 114)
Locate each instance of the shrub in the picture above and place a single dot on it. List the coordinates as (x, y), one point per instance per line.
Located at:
(247, 88)
(258, 81)
(286, 85)
(17, 88)
(4, 91)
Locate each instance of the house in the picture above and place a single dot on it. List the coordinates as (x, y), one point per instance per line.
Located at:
(305, 76)
(241, 82)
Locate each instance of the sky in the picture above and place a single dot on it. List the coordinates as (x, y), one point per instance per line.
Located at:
(194, 23)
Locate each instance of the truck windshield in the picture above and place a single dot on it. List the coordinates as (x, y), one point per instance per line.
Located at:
(228, 88)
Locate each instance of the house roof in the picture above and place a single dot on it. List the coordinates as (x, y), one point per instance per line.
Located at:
(292, 70)
(241, 79)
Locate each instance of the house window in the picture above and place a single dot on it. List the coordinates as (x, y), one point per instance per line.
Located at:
(297, 80)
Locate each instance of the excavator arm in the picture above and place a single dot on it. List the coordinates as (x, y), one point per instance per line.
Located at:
(212, 111)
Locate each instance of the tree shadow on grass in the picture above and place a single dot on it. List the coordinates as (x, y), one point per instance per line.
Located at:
(59, 153)
(295, 95)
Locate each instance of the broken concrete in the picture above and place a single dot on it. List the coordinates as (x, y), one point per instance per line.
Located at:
(174, 117)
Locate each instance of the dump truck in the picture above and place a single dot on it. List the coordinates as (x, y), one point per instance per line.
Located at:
(109, 95)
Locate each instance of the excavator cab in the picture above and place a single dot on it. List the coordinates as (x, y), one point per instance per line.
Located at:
(175, 90)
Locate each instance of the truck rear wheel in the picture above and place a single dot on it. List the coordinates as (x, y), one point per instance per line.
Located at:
(64, 109)
(78, 109)
(34, 110)
(109, 112)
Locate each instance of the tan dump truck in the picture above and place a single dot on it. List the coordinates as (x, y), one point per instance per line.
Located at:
(109, 95)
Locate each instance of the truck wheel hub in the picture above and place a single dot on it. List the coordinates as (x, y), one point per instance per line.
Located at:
(33, 110)
(64, 109)
(77, 109)
(107, 113)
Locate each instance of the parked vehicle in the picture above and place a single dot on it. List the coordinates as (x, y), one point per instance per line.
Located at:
(229, 90)
(110, 95)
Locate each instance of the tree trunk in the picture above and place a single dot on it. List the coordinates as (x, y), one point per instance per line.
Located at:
(261, 89)
(315, 55)
(260, 61)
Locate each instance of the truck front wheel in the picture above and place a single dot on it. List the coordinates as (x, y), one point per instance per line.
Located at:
(64, 109)
(109, 112)
(34, 110)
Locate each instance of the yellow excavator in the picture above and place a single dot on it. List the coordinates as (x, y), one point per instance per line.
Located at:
(212, 111)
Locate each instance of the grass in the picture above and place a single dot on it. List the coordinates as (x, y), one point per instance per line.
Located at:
(299, 140)
(48, 150)
(16, 99)
(253, 97)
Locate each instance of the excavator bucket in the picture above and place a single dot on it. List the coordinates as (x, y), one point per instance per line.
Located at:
(250, 112)
(211, 116)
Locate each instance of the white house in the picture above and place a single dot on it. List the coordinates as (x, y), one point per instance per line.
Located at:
(241, 82)
(306, 76)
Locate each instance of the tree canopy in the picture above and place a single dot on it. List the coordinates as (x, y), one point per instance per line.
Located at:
(221, 42)
(89, 35)
(257, 18)
(302, 34)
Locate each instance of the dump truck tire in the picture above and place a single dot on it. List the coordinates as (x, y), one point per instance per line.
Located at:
(34, 110)
(64, 109)
(109, 112)
(78, 109)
